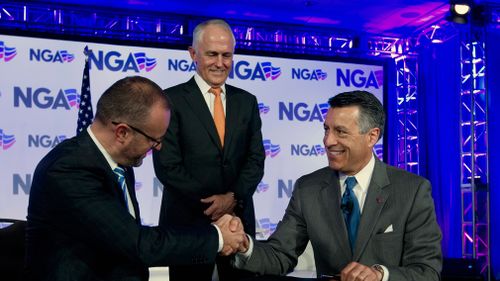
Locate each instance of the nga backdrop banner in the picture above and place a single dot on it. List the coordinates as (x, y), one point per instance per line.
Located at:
(40, 86)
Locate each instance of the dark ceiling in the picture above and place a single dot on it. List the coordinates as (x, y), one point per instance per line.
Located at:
(385, 17)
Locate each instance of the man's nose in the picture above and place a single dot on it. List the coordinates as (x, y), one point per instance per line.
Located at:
(219, 61)
(329, 139)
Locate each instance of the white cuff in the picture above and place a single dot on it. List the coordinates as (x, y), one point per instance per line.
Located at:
(386, 273)
(221, 239)
(241, 258)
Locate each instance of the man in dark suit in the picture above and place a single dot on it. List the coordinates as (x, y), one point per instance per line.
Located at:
(83, 220)
(209, 169)
(365, 220)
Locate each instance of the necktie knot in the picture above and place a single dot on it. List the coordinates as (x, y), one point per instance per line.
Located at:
(215, 91)
(120, 172)
(350, 182)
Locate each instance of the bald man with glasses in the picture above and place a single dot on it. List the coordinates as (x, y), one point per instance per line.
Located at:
(83, 217)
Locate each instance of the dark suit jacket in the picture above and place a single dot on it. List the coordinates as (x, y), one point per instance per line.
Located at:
(192, 164)
(412, 251)
(79, 229)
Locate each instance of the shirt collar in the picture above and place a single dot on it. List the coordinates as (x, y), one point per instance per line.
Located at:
(101, 148)
(363, 177)
(203, 85)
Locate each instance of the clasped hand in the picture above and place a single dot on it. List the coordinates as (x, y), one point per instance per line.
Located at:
(235, 239)
(220, 204)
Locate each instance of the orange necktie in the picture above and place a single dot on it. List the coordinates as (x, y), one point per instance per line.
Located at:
(219, 118)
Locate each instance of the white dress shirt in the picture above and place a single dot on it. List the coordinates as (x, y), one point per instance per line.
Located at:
(112, 165)
(209, 97)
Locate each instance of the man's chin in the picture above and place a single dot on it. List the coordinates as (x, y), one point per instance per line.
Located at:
(334, 166)
(219, 80)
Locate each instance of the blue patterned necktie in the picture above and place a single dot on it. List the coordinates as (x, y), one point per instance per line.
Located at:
(120, 173)
(350, 209)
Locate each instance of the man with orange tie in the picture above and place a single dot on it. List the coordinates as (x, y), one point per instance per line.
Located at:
(213, 157)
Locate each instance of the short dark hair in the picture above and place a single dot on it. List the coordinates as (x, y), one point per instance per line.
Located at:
(130, 100)
(371, 111)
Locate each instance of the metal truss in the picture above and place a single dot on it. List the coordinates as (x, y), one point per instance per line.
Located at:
(437, 33)
(147, 26)
(474, 149)
(92, 22)
(404, 53)
(293, 39)
(407, 93)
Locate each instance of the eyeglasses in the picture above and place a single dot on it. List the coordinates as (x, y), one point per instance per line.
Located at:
(155, 142)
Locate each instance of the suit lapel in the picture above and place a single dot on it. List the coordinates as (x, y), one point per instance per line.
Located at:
(330, 194)
(194, 98)
(377, 195)
(232, 107)
(111, 178)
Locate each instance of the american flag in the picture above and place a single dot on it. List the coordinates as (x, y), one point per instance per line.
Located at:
(85, 112)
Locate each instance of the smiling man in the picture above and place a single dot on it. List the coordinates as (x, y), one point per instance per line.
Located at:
(83, 217)
(213, 158)
(365, 220)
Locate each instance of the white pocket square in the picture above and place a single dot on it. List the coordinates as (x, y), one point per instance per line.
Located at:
(389, 229)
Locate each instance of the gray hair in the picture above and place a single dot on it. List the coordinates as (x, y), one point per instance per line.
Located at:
(198, 30)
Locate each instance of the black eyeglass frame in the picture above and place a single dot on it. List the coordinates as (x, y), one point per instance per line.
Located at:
(156, 142)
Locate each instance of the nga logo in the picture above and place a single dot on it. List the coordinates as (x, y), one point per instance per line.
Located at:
(359, 78)
(7, 53)
(45, 141)
(307, 150)
(271, 71)
(44, 98)
(263, 71)
(263, 109)
(303, 112)
(114, 61)
(307, 74)
(6, 141)
(242, 70)
(271, 149)
(264, 227)
(47, 55)
(262, 187)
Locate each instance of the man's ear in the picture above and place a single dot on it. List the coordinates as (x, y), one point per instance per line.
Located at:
(122, 133)
(192, 52)
(373, 136)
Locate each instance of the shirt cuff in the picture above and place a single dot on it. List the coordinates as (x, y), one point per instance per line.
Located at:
(221, 239)
(386, 273)
(241, 258)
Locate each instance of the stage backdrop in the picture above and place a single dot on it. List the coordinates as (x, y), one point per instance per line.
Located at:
(40, 83)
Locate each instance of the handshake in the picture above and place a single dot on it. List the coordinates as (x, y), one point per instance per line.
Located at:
(235, 238)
